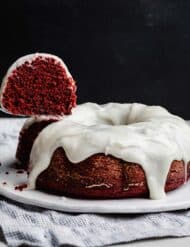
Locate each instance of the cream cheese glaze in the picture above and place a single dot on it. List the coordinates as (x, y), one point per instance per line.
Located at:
(146, 135)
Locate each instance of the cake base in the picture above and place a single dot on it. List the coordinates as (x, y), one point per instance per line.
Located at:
(102, 176)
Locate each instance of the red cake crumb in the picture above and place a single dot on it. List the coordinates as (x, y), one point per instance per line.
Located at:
(20, 171)
(39, 87)
(21, 187)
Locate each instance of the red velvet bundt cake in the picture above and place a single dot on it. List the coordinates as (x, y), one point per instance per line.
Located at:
(38, 84)
(98, 151)
(107, 151)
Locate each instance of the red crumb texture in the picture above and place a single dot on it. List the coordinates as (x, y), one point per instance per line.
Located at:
(40, 87)
(21, 187)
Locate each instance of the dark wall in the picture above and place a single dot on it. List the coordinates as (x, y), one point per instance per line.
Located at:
(117, 50)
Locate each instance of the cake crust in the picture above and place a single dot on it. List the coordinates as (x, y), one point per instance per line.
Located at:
(26, 140)
(102, 176)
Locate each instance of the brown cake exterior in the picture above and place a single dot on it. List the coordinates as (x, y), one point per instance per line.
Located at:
(26, 140)
(99, 176)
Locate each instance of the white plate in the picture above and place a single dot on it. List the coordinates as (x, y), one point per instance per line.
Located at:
(175, 200)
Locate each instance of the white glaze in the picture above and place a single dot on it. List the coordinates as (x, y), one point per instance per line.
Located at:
(35, 119)
(146, 135)
(28, 58)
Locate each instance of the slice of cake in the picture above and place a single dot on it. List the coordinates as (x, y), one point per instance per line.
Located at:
(38, 84)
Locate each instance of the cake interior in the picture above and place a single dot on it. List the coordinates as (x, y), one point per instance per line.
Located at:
(39, 87)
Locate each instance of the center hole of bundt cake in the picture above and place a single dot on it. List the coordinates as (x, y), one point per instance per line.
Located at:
(110, 122)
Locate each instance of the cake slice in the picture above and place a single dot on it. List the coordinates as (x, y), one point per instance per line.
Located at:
(38, 84)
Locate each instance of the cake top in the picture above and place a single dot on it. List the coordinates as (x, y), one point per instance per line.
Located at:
(146, 135)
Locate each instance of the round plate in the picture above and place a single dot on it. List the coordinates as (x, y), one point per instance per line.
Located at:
(179, 199)
(10, 178)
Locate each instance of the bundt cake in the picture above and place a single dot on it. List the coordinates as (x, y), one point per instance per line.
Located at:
(107, 151)
(99, 151)
(38, 84)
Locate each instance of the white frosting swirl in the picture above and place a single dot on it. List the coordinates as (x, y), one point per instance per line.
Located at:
(146, 135)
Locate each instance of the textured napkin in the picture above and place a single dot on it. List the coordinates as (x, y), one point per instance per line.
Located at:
(32, 226)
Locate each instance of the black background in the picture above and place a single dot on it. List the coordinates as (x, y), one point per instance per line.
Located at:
(116, 50)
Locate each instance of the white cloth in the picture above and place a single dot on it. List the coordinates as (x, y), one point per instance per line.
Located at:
(32, 226)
